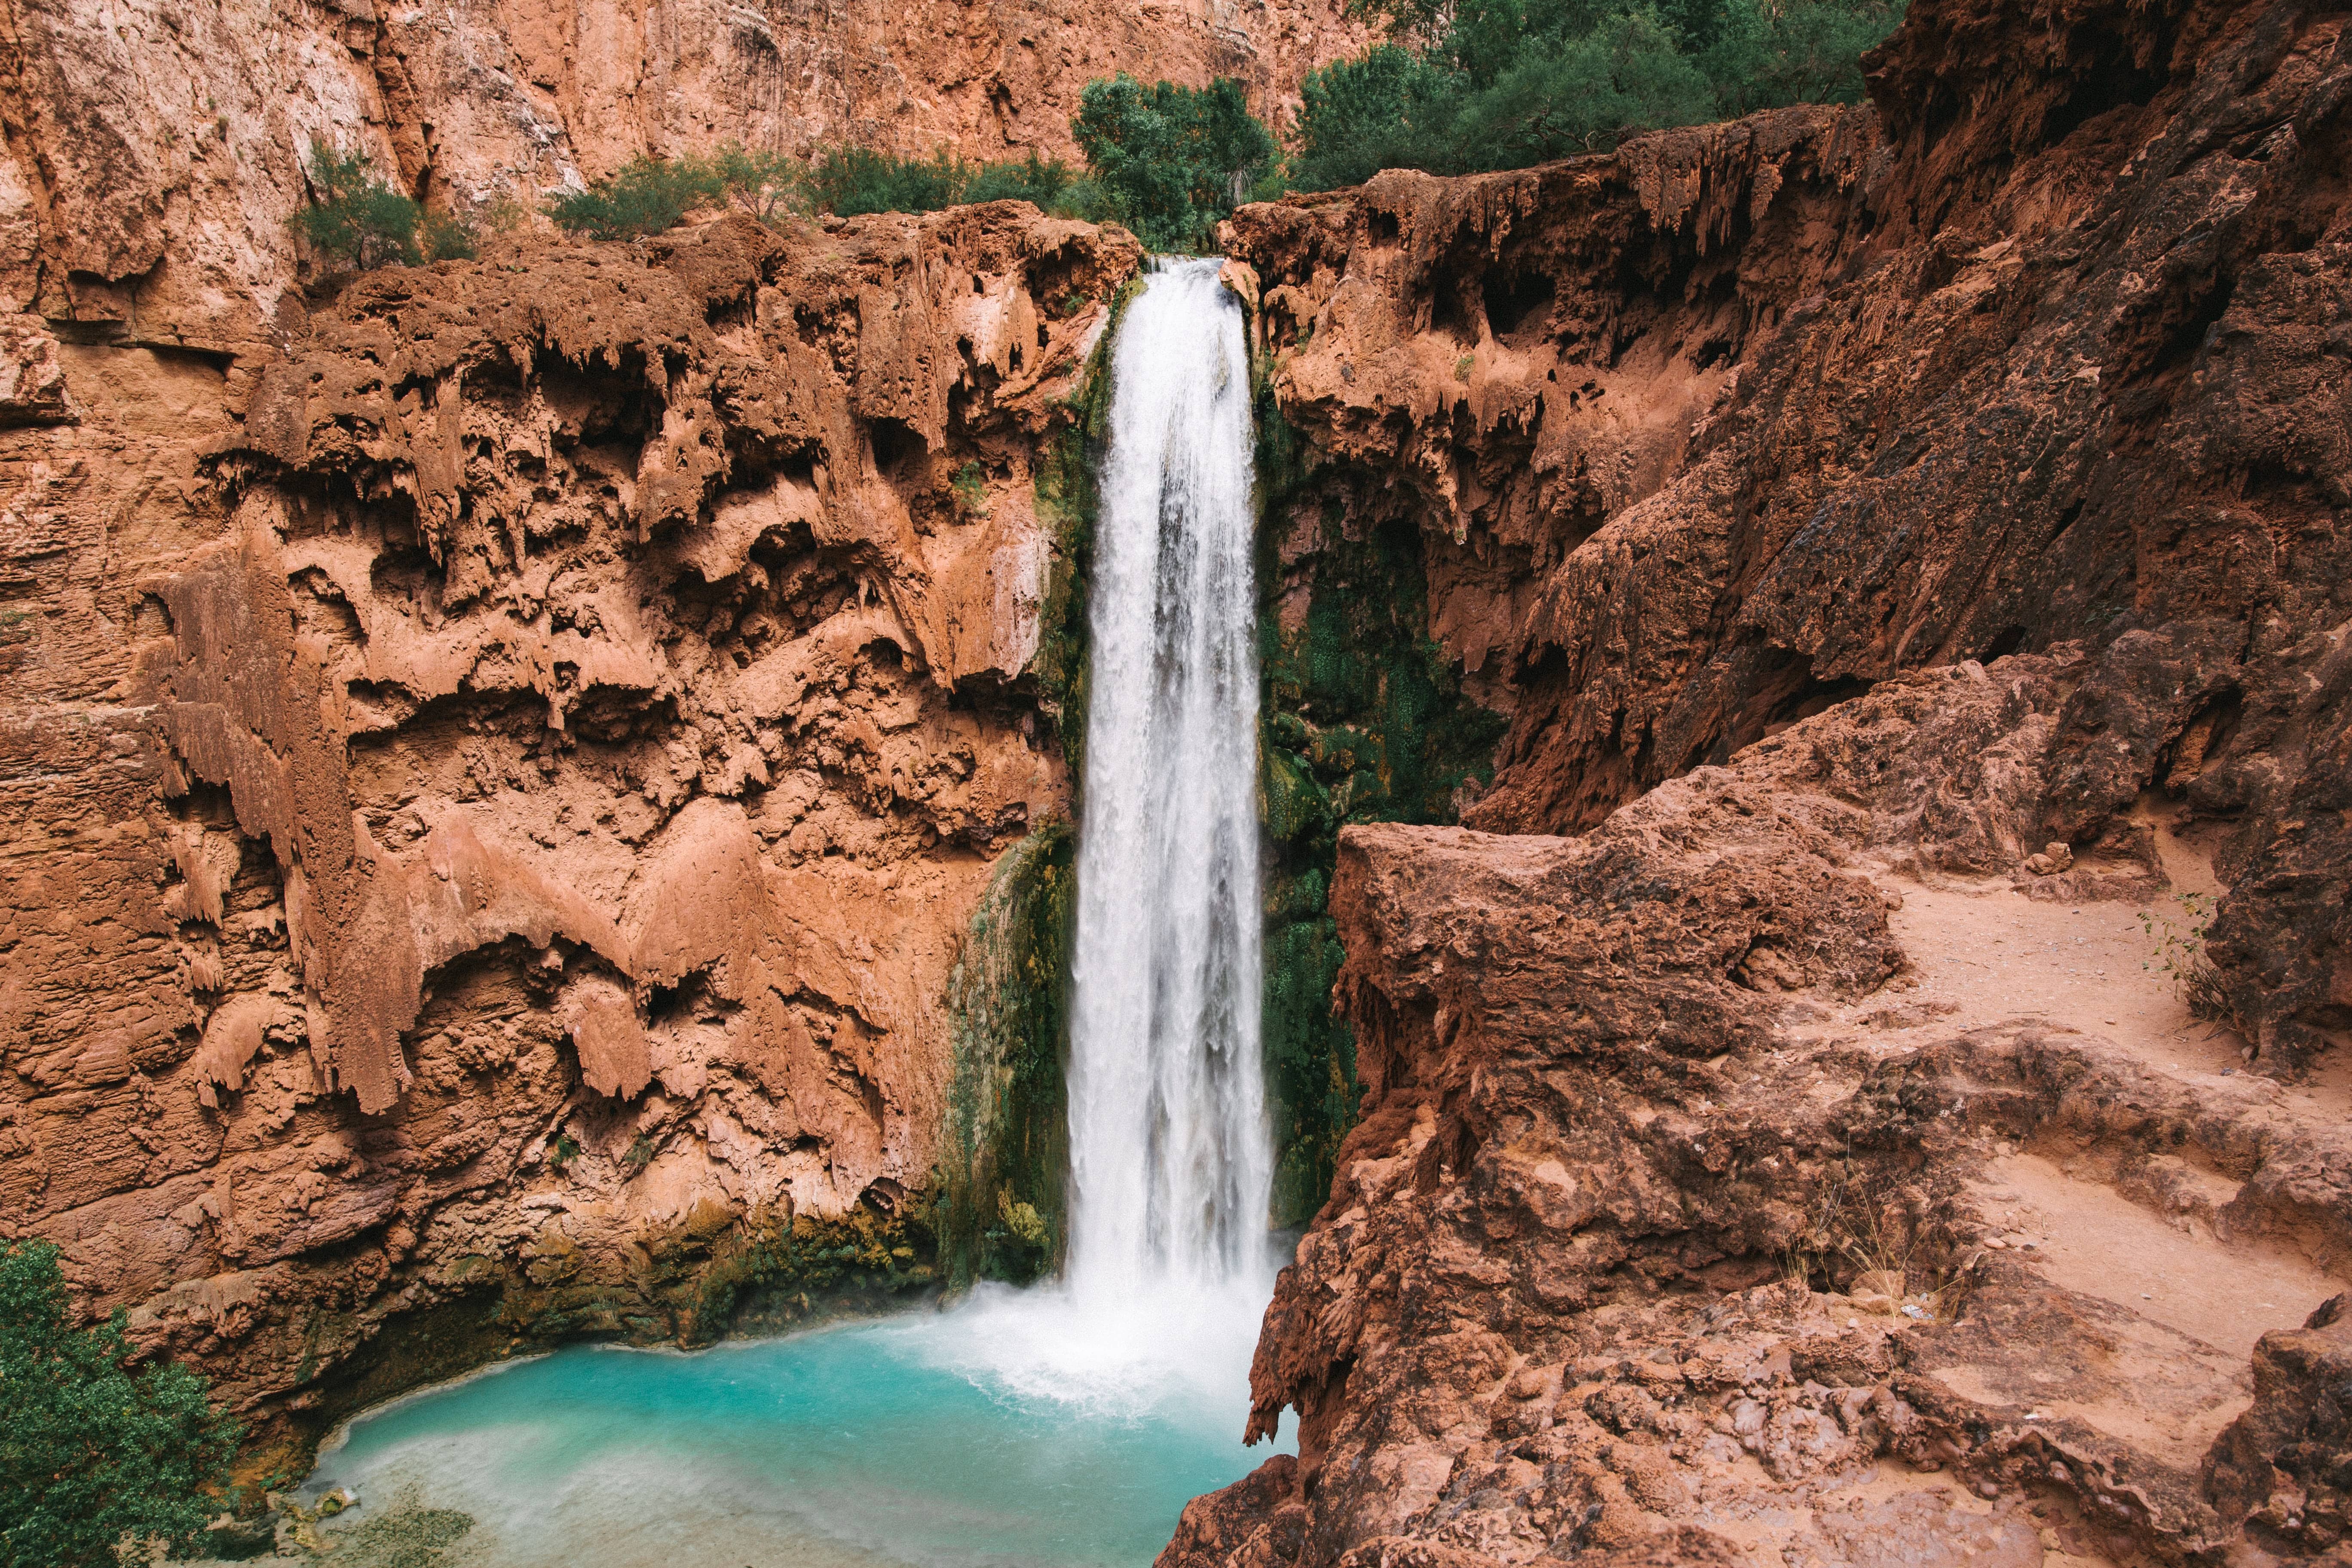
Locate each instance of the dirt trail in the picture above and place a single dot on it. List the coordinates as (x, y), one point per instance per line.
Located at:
(2088, 1236)
(1989, 954)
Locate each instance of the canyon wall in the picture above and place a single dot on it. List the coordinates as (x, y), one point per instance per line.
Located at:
(1906, 544)
(495, 796)
(150, 155)
(1704, 435)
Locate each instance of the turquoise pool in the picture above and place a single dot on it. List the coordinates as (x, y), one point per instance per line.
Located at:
(1013, 1428)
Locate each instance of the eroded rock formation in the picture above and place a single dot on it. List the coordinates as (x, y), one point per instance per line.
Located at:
(2045, 344)
(491, 826)
(1907, 542)
(1690, 1190)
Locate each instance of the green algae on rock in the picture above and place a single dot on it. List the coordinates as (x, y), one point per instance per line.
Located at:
(1006, 1156)
(1361, 719)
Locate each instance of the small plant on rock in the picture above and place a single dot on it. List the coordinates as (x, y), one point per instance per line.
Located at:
(971, 488)
(648, 196)
(769, 186)
(355, 217)
(1851, 1233)
(446, 237)
(2178, 954)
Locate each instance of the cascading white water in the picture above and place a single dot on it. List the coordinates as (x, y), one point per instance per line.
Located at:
(1063, 1426)
(1171, 1159)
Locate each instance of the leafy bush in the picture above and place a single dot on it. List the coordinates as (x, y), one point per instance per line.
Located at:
(355, 215)
(1385, 110)
(446, 237)
(1625, 75)
(1797, 51)
(768, 185)
(1501, 84)
(1046, 183)
(648, 196)
(1172, 160)
(93, 1449)
(851, 181)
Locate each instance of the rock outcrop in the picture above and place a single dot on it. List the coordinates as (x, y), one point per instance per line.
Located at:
(2046, 344)
(491, 826)
(1907, 542)
(1702, 1206)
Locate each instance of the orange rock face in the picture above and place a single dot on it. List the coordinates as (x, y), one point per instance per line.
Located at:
(1714, 432)
(1908, 542)
(500, 812)
(154, 155)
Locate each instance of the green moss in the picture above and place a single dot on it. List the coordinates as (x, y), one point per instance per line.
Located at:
(1004, 1161)
(1068, 499)
(769, 1273)
(970, 487)
(1361, 720)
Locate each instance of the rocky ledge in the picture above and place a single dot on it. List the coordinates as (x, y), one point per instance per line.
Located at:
(1908, 544)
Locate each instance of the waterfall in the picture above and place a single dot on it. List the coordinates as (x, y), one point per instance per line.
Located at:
(1170, 1157)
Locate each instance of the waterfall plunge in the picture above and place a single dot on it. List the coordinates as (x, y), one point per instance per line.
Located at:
(1170, 1159)
(1056, 1426)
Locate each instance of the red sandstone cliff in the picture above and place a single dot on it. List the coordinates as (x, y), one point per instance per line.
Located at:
(150, 155)
(1846, 505)
(489, 826)
(2046, 345)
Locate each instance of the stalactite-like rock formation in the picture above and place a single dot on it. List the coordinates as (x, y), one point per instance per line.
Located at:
(507, 807)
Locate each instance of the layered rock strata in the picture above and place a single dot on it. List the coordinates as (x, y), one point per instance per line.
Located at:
(495, 798)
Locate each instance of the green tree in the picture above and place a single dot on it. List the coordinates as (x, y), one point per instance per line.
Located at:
(1466, 85)
(1582, 94)
(1387, 109)
(649, 196)
(93, 1447)
(1172, 160)
(355, 217)
(1796, 51)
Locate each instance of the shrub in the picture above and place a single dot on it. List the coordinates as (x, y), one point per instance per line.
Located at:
(850, 181)
(93, 1448)
(355, 215)
(1385, 110)
(446, 237)
(1172, 160)
(768, 185)
(970, 487)
(1046, 183)
(1582, 94)
(1797, 51)
(649, 196)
